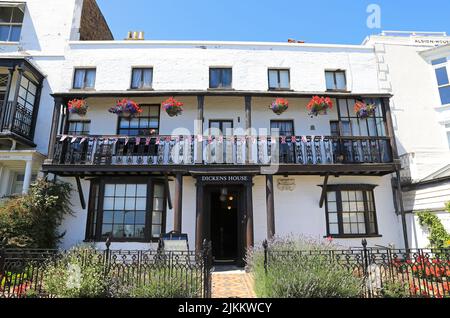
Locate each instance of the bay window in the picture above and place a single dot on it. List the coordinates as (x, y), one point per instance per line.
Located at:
(126, 209)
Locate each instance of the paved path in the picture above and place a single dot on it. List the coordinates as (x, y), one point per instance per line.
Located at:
(232, 284)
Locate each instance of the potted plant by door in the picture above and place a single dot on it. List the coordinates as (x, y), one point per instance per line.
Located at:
(78, 106)
(126, 108)
(279, 105)
(172, 106)
(364, 110)
(319, 105)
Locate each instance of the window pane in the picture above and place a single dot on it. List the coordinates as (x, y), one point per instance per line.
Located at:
(90, 78)
(5, 14)
(343, 107)
(109, 189)
(157, 218)
(445, 95)
(136, 78)
(226, 77)
(17, 15)
(147, 78)
(214, 78)
(439, 61)
(79, 79)
(329, 77)
(442, 76)
(156, 230)
(15, 33)
(273, 79)
(334, 229)
(340, 80)
(284, 79)
(141, 190)
(108, 203)
(4, 33)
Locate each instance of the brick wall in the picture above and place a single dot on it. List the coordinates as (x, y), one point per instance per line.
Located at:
(93, 24)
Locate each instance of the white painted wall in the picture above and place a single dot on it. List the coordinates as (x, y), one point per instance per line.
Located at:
(296, 212)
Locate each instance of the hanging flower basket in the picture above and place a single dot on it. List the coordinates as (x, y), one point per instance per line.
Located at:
(78, 106)
(319, 105)
(279, 105)
(364, 110)
(172, 106)
(126, 108)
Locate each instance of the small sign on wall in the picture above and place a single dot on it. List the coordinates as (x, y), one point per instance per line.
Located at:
(286, 184)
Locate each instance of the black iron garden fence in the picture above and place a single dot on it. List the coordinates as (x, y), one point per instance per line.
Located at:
(412, 272)
(22, 271)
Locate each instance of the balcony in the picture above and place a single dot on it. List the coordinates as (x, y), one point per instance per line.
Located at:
(292, 154)
(17, 119)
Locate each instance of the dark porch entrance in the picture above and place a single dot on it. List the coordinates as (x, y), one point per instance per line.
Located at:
(225, 211)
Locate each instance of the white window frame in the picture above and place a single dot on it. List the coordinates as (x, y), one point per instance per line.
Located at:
(11, 24)
(446, 66)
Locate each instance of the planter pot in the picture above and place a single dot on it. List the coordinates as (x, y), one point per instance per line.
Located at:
(127, 116)
(319, 110)
(173, 112)
(364, 114)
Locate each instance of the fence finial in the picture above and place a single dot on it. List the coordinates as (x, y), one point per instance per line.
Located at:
(108, 242)
(265, 244)
(364, 242)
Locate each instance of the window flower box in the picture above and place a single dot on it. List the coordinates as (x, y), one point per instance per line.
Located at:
(279, 105)
(78, 106)
(126, 108)
(364, 110)
(172, 106)
(319, 105)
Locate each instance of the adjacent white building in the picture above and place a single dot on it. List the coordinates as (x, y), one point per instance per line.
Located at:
(414, 67)
(227, 169)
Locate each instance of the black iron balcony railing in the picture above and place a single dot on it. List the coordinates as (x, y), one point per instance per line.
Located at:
(241, 150)
(18, 119)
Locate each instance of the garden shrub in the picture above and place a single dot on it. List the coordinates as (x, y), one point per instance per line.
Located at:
(32, 220)
(295, 275)
(395, 289)
(79, 273)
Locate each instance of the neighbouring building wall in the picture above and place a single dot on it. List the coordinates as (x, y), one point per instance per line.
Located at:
(93, 26)
(415, 104)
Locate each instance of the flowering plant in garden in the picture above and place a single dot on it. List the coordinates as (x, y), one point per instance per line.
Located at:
(172, 106)
(78, 106)
(126, 108)
(364, 110)
(319, 105)
(279, 105)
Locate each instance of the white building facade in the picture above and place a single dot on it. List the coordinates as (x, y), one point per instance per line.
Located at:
(414, 67)
(227, 169)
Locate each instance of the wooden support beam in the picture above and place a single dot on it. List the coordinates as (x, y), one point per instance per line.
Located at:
(54, 127)
(177, 216)
(80, 193)
(402, 209)
(248, 125)
(249, 216)
(199, 218)
(324, 190)
(166, 185)
(270, 207)
(199, 128)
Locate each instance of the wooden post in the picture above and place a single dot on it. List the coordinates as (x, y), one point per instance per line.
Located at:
(249, 213)
(5, 101)
(54, 128)
(402, 210)
(390, 127)
(16, 96)
(199, 221)
(270, 207)
(177, 215)
(248, 126)
(199, 128)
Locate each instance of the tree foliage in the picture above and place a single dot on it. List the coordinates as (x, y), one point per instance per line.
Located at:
(32, 220)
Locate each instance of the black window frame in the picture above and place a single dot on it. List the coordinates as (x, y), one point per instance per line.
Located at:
(120, 119)
(95, 209)
(221, 122)
(221, 87)
(364, 188)
(334, 72)
(141, 86)
(78, 132)
(12, 24)
(278, 70)
(283, 121)
(85, 69)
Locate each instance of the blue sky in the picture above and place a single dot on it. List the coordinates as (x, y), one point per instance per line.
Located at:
(317, 21)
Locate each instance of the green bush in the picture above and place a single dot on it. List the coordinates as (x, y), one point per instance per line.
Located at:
(32, 220)
(302, 276)
(395, 289)
(78, 273)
